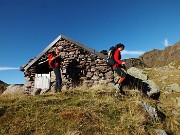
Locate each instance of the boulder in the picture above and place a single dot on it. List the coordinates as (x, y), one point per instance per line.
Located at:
(160, 132)
(178, 101)
(36, 91)
(153, 113)
(14, 89)
(137, 73)
(44, 91)
(176, 113)
(173, 87)
(153, 88)
(139, 79)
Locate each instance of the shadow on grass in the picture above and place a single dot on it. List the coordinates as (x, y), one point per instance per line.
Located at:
(135, 83)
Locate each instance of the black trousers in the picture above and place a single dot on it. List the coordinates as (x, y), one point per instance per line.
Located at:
(120, 72)
(57, 73)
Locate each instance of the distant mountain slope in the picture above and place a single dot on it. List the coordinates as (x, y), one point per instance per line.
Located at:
(134, 62)
(3, 86)
(158, 58)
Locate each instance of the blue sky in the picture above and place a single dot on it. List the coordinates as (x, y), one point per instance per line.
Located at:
(28, 26)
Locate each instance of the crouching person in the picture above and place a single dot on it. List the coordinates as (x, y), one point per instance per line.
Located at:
(119, 71)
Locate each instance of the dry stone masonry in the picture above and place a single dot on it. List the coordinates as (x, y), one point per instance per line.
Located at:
(79, 67)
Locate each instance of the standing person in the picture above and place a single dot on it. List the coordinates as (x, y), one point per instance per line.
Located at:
(55, 61)
(119, 72)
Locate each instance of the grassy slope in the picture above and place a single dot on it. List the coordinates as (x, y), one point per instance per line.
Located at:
(82, 111)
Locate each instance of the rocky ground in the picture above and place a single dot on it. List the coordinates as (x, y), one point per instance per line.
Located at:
(168, 79)
(167, 76)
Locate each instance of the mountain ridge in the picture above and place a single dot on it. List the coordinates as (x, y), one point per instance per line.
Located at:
(159, 58)
(156, 58)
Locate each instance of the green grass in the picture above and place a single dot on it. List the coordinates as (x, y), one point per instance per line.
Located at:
(82, 111)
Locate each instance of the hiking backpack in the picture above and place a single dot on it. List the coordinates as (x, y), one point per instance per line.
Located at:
(50, 62)
(110, 58)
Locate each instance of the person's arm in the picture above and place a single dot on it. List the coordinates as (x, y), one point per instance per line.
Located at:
(116, 57)
(55, 57)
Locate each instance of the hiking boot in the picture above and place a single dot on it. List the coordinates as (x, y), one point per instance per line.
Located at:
(122, 92)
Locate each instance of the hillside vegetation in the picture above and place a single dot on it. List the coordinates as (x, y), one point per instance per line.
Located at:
(84, 111)
(3, 86)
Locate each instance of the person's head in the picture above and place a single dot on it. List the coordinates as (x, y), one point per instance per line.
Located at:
(120, 46)
(57, 51)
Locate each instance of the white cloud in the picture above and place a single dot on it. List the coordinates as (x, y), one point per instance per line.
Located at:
(126, 52)
(8, 68)
(166, 42)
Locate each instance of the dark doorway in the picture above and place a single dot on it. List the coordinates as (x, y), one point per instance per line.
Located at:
(42, 68)
(74, 72)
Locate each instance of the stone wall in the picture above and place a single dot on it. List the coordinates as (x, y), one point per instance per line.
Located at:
(79, 67)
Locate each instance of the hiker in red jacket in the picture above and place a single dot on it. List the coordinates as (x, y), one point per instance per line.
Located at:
(55, 60)
(119, 72)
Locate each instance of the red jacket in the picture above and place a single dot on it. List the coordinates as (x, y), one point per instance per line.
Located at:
(117, 58)
(53, 63)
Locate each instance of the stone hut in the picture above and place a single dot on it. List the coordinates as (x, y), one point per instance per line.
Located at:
(82, 66)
